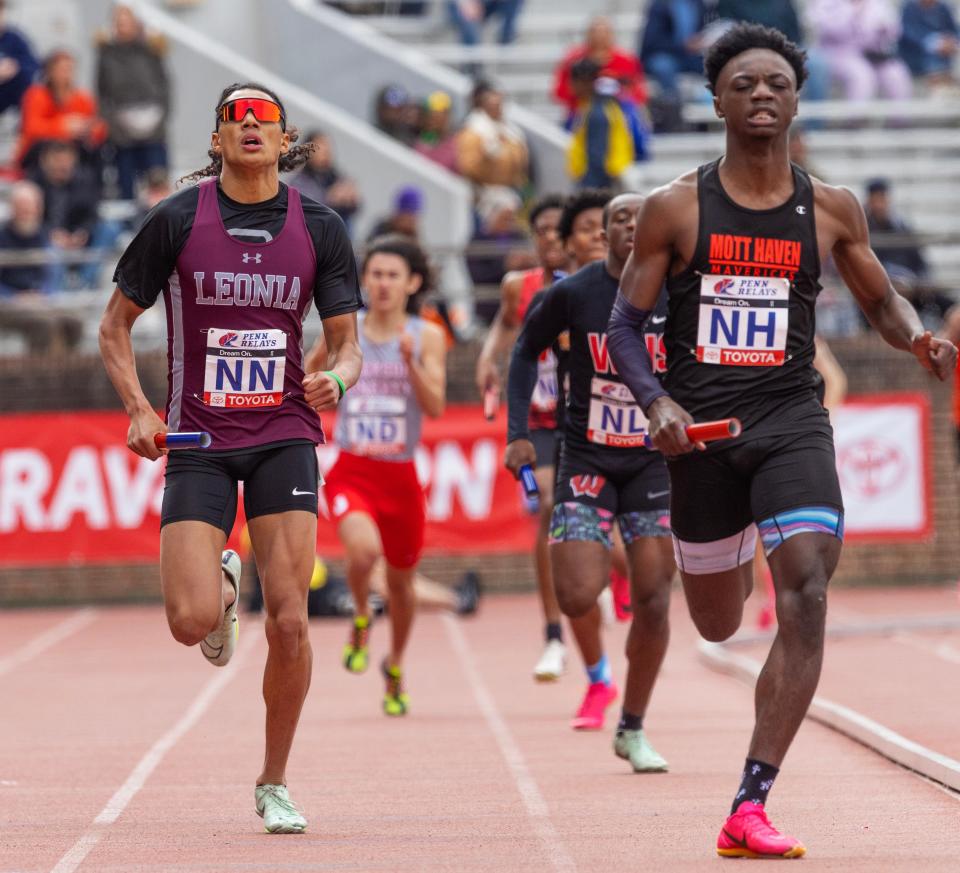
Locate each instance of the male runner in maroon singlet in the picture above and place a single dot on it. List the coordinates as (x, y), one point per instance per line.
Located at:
(740, 242)
(239, 258)
(516, 292)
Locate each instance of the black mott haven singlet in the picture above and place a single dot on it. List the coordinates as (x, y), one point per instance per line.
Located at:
(740, 332)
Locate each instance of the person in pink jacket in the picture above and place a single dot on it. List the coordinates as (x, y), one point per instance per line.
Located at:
(858, 38)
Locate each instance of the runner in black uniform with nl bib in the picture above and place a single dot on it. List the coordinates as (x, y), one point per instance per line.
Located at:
(740, 242)
(239, 259)
(517, 290)
(605, 473)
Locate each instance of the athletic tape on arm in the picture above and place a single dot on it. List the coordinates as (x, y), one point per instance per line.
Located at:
(628, 351)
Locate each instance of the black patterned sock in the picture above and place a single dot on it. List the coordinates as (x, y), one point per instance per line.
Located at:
(630, 722)
(554, 631)
(756, 782)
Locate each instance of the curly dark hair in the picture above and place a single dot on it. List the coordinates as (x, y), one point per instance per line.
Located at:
(744, 37)
(409, 249)
(295, 156)
(587, 198)
(548, 201)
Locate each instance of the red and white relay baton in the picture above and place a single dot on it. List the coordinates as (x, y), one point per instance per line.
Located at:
(198, 439)
(708, 431)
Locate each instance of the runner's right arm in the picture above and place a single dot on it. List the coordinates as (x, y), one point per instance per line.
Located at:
(643, 276)
(546, 319)
(116, 349)
(502, 334)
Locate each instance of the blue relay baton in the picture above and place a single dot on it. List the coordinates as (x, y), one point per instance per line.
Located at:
(198, 439)
(530, 490)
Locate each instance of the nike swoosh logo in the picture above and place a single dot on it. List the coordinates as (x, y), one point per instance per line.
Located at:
(658, 319)
(296, 492)
(651, 495)
(742, 842)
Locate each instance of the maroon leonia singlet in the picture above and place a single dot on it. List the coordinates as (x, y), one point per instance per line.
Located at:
(235, 315)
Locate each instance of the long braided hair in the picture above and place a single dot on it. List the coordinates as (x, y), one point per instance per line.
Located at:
(295, 157)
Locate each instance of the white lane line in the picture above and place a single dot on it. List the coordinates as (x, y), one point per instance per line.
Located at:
(74, 857)
(537, 809)
(943, 651)
(878, 737)
(47, 640)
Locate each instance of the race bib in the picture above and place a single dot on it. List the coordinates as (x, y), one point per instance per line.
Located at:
(244, 369)
(546, 392)
(377, 425)
(743, 321)
(614, 418)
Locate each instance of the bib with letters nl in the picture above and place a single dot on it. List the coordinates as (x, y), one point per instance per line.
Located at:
(614, 419)
(244, 369)
(743, 321)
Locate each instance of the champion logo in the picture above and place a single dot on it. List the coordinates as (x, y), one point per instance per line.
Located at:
(723, 286)
(801, 210)
(228, 339)
(256, 257)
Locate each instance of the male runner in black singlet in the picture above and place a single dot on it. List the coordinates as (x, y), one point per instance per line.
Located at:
(605, 473)
(740, 242)
(239, 259)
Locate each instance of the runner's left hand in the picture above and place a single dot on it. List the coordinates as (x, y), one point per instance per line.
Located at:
(939, 356)
(321, 391)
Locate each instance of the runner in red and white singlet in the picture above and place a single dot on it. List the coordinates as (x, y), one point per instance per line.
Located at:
(516, 293)
(372, 491)
(239, 259)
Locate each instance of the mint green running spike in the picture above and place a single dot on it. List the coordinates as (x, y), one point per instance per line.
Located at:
(632, 746)
(274, 806)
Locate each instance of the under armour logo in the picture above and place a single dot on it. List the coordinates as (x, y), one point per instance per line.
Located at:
(801, 210)
(256, 258)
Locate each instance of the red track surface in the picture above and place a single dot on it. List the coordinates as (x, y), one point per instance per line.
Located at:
(484, 775)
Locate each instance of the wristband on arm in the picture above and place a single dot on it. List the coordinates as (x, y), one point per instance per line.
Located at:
(336, 378)
(628, 351)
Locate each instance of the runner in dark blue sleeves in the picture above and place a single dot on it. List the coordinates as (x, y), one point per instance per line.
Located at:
(605, 473)
(239, 259)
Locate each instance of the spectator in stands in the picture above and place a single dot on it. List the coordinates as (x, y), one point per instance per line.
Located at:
(71, 195)
(46, 330)
(602, 146)
(929, 40)
(490, 149)
(503, 244)
(469, 16)
(134, 97)
(55, 108)
(156, 187)
(438, 141)
(405, 218)
(671, 44)
(24, 231)
(322, 181)
(600, 46)
(397, 115)
(858, 39)
(18, 63)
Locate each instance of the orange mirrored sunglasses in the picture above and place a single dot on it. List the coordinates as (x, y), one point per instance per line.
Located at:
(263, 110)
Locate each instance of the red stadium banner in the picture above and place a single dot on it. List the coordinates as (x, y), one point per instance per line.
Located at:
(71, 491)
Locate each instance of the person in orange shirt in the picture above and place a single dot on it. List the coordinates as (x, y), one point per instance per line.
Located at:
(615, 63)
(55, 108)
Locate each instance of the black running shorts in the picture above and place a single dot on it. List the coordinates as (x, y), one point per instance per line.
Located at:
(636, 483)
(203, 487)
(718, 493)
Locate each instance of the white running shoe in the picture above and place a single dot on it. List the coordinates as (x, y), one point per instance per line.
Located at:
(552, 663)
(275, 807)
(219, 645)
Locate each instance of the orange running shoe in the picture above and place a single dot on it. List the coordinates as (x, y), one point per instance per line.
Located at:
(749, 834)
(590, 715)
